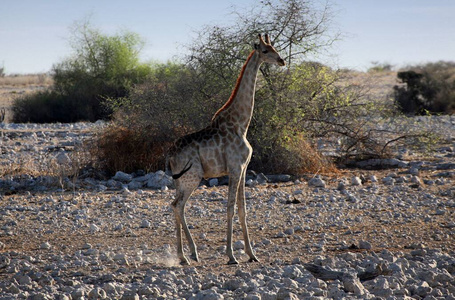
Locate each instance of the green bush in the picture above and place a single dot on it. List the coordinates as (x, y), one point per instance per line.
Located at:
(428, 88)
(101, 67)
(40, 107)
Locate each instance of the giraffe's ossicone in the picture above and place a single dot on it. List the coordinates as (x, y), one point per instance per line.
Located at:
(220, 149)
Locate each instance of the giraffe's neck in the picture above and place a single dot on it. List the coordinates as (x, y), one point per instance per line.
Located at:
(236, 113)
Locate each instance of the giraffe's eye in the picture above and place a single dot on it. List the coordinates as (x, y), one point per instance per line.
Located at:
(265, 51)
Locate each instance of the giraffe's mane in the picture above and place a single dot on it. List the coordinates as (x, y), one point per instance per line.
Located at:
(236, 88)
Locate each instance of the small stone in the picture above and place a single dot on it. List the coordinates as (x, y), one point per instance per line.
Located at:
(145, 224)
(213, 182)
(289, 231)
(285, 293)
(440, 212)
(238, 245)
(130, 295)
(316, 182)
(159, 179)
(4, 261)
(45, 246)
(388, 180)
(253, 296)
(356, 181)
(135, 185)
(352, 198)
(414, 171)
(364, 245)
(341, 186)
(121, 259)
(97, 293)
(123, 177)
(423, 289)
(292, 272)
(250, 183)
(86, 246)
(261, 178)
(352, 284)
(78, 294)
(416, 180)
(94, 228)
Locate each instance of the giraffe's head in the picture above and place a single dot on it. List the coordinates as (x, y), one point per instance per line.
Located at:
(267, 53)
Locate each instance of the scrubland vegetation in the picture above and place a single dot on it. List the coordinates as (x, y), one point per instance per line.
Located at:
(151, 104)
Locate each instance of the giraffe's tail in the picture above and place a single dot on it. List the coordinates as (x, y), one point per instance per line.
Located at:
(186, 168)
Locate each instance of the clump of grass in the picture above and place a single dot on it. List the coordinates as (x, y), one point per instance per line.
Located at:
(42, 79)
(125, 149)
(294, 156)
(59, 173)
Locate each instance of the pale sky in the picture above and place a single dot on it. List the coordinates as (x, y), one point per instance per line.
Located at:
(34, 34)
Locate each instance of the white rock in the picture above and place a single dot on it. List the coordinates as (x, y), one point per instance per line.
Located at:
(388, 180)
(238, 245)
(97, 293)
(121, 259)
(135, 185)
(352, 284)
(145, 224)
(316, 182)
(158, 180)
(356, 181)
(123, 177)
(94, 228)
(45, 246)
(416, 180)
(292, 272)
(213, 182)
(364, 245)
(414, 171)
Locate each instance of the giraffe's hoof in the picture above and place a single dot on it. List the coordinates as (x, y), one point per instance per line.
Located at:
(194, 257)
(253, 259)
(184, 261)
(233, 261)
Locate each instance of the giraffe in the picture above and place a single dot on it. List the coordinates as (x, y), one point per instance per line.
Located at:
(220, 149)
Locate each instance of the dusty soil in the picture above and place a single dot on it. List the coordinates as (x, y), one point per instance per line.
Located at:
(76, 239)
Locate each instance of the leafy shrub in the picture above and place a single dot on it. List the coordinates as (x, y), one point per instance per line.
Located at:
(428, 88)
(295, 107)
(101, 66)
(151, 118)
(40, 107)
(128, 149)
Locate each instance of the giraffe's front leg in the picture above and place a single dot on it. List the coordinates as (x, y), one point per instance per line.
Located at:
(242, 218)
(233, 189)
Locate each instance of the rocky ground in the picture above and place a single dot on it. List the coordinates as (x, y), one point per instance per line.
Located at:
(387, 234)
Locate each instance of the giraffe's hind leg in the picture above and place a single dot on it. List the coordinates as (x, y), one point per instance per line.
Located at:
(178, 227)
(185, 188)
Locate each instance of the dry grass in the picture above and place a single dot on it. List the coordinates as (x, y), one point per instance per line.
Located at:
(379, 84)
(14, 86)
(59, 174)
(26, 80)
(123, 149)
(299, 157)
